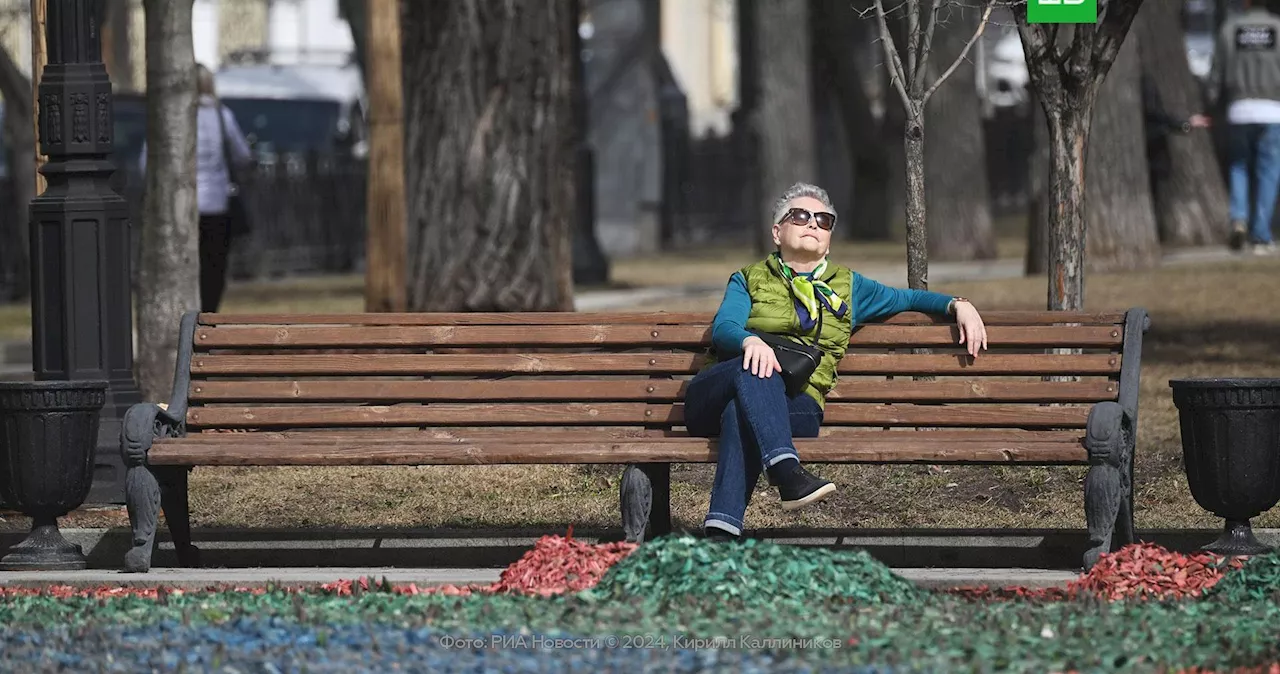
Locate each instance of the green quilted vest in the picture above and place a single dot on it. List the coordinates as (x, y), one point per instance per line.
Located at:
(773, 311)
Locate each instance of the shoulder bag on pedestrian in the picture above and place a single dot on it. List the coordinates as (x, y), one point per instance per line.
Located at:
(237, 213)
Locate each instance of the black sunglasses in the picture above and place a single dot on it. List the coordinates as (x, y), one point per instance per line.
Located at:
(801, 217)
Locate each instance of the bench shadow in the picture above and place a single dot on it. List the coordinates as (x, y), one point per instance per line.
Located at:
(1059, 549)
(1220, 342)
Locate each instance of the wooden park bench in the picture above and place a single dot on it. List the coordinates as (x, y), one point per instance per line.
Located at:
(593, 388)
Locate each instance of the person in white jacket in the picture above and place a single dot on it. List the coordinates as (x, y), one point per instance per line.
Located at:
(218, 137)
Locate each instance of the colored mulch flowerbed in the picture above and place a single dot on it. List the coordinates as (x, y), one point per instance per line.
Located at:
(677, 604)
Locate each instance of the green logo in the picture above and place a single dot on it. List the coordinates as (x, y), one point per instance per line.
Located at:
(1062, 11)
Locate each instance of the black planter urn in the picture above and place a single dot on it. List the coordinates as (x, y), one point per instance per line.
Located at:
(48, 437)
(1231, 452)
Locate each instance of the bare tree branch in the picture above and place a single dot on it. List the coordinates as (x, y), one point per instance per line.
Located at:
(1114, 19)
(896, 74)
(913, 41)
(982, 26)
(926, 44)
(1079, 60)
(1039, 47)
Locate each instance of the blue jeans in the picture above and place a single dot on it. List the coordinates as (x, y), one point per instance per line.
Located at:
(755, 422)
(1255, 158)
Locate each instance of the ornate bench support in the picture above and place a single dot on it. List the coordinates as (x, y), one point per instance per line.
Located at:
(1108, 489)
(1111, 440)
(645, 496)
(147, 488)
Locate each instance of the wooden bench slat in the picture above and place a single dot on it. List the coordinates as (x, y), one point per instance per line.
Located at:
(535, 318)
(591, 336)
(374, 391)
(465, 434)
(1016, 416)
(635, 363)
(254, 452)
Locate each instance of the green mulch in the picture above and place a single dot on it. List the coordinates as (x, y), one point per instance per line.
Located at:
(823, 607)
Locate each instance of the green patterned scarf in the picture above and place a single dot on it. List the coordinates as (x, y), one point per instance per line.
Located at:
(808, 292)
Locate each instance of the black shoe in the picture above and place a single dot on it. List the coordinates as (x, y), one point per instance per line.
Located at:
(1238, 235)
(799, 488)
(718, 535)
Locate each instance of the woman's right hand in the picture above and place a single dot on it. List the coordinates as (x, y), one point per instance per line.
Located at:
(759, 357)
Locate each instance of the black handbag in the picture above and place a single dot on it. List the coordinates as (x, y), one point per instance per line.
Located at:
(237, 213)
(798, 359)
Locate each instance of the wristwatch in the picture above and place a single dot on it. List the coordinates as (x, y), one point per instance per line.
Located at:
(951, 308)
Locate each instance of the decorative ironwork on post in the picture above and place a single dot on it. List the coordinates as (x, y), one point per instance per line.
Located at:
(81, 312)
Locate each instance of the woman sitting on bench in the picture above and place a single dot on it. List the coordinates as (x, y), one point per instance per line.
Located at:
(757, 399)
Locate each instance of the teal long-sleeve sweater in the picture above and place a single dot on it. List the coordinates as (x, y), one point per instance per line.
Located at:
(871, 300)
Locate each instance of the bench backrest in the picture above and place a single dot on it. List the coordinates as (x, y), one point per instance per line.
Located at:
(456, 375)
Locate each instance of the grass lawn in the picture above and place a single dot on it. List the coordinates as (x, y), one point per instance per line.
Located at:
(1213, 319)
(345, 293)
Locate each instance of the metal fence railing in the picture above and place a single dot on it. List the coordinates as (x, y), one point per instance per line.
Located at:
(308, 214)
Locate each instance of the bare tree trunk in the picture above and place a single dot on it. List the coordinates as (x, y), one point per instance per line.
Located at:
(1068, 143)
(917, 230)
(955, 160)
(1121, 218)
(39, 58)
(1187, 186)
(1037, 261)
(19, 139)
(915, 80)
(1066, 80)
(169, 262)
(489, 154)
(784, 114)
(385, 258)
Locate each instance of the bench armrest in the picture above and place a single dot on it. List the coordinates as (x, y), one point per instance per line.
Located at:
(146, 421)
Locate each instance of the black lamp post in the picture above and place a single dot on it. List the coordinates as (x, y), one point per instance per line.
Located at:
(81, 315)
(590, 266)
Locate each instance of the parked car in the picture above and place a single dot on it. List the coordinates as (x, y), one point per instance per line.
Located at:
(303, 108)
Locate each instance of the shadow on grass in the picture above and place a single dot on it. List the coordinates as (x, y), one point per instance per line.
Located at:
(1235, 342)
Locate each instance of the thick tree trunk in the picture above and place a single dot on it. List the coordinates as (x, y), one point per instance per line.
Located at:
(1187, 186)
(955, 160)
(1066, 79)
(385, 281)
(1037, 260)
(839, 44)
(169, 264)
(1122, 223)
(489, 154)
(784, 113)
(917, 228)
(19, 139)
(1068, 143)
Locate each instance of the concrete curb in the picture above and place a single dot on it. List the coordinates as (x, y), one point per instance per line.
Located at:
(238, 549)
(200, 579)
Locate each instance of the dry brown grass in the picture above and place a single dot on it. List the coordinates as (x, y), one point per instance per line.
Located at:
(1207, 320)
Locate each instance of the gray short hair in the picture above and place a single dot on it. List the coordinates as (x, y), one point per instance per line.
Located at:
(797, 191)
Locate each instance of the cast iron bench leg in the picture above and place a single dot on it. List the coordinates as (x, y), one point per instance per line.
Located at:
(1108, 491)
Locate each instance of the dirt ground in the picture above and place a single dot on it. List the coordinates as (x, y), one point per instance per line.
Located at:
(1214, 319)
